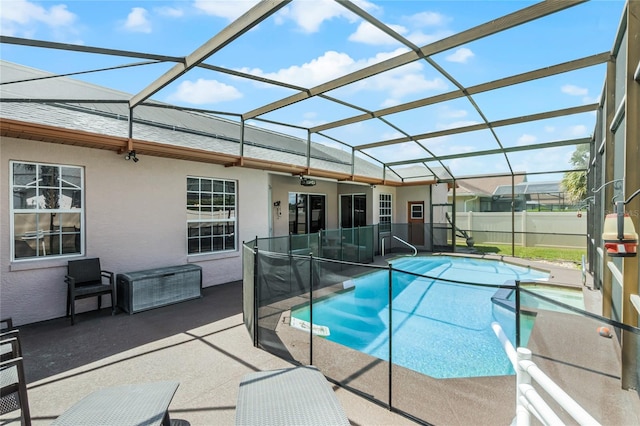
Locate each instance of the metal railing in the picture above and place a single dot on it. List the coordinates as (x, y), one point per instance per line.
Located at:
(278, 283)
(415, 250)
(528, 401)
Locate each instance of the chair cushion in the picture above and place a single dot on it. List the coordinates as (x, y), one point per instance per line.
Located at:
(92, 289)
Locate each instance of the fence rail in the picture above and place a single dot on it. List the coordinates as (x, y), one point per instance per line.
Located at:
(276, 284)
(545, 229)
(527, 398)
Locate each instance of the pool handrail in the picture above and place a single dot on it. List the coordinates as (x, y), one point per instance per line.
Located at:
(527, 398)
(415, 250)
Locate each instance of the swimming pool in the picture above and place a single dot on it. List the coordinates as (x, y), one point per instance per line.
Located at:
(440, 328)
(567, 295)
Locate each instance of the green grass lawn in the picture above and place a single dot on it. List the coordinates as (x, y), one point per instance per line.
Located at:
(534, 253)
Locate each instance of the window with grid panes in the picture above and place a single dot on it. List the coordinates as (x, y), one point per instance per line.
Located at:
(46, 210)
(211, 215)
(385, 212)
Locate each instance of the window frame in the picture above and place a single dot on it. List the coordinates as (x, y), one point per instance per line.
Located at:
(62, 186)
(206, 215)
(385, 211)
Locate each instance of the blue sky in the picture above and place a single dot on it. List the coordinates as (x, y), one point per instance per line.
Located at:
(310, 42)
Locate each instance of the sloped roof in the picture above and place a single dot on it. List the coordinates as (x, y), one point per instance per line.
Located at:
(163, 124)
(484, 186)
(402, 140)
(529, 188)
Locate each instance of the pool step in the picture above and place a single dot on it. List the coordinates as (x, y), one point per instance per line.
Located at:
(501, 297)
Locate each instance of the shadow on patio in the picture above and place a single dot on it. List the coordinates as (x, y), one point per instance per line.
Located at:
(201, 343)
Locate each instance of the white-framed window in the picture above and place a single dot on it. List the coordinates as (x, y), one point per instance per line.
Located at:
(385, 212)
(47, 210)
(211, 215)
(417, 211)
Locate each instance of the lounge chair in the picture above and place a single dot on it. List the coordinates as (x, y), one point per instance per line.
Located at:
(290, 396)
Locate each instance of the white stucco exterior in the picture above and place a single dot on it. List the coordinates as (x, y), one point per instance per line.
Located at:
(135, 219)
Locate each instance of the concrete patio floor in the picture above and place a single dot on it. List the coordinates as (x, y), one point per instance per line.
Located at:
(201, 343)
(204, 345)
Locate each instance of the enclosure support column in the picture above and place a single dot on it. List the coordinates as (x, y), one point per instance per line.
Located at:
(390, 384)
(631, 185)
(256, 294)
(523, 228)
(609, 157)
(513, 216)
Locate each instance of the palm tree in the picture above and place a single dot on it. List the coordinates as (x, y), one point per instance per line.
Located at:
(575, 183)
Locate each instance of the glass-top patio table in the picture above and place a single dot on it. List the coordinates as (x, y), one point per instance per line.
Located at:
(135, 404)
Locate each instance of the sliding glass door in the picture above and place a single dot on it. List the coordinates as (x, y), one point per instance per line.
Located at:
(353, 210)
(306, 213)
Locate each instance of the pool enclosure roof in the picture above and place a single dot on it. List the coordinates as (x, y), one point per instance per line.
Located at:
(511, 91)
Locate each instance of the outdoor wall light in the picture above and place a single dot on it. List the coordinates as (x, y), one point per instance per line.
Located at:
(619, 233)
(307, 181)
(131, 155)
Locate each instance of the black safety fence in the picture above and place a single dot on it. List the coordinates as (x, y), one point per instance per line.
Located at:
(424, 345)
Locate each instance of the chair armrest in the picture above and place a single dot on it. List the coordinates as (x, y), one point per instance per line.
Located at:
(71, 281)
(9, 323)
(14, 352)
(108, 274)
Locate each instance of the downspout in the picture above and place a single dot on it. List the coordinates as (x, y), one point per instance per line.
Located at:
(466, 201)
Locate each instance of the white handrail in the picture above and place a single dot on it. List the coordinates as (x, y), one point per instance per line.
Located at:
(527, 398)
(415, 250)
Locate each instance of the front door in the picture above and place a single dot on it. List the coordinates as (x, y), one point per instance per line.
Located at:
(416, 222)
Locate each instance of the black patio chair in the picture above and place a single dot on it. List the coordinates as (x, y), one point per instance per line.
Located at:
(6, 324)
(146, 403)
(13, 388)
(85, 279)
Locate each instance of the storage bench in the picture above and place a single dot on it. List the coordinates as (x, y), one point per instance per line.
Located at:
(152, 288)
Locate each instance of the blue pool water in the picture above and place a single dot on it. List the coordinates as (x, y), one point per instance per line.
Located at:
(440, 329)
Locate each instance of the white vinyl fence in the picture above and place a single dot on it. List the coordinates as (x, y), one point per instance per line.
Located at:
(531, 229)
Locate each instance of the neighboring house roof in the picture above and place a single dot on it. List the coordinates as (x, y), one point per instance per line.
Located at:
(528, 188)
(161, 124)
(483, 186)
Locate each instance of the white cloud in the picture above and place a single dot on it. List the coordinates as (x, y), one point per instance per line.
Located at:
(396, 83)
(421, 39)
(229, 10)
(171, 12)
(25, 18)
(327, 67)
(138, 21)
(573, 90)
(429, 19)
(526, 139)
(368, 34)
(461, 55)
(578, 130)
(309, 15)
(204, 91)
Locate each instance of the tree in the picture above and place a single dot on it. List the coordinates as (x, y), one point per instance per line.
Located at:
(575, 183)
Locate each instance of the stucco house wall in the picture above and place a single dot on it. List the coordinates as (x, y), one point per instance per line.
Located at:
(281, 186)
(414, 193)
(135, 219)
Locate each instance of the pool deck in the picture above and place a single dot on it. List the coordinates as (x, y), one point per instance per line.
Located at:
(204, 345)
